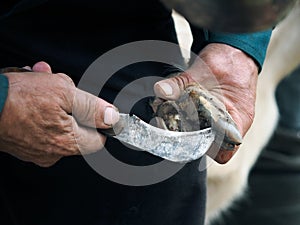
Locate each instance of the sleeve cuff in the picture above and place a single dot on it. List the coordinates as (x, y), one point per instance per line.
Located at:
(254, 44)
(3, 90)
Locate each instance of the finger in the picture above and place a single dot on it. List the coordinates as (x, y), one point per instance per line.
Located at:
(88, 140)
(42, 67)
(92, 111)
(220, 155)
(199, 72)
(171, 88)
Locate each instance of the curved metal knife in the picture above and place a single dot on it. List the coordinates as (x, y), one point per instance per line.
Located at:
(175, 146)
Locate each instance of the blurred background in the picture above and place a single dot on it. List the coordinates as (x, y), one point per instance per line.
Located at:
(261, 185)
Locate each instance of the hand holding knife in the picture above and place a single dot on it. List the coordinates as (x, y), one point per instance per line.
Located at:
(175, 146)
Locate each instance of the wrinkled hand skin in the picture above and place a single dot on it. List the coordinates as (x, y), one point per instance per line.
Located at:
(228, 74)
(38, 122)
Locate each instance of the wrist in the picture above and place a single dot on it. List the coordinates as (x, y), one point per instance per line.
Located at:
(225, 60)
(254, 44)
(4, 84)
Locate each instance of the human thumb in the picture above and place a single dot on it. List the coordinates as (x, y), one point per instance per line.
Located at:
(91, 111)
(171, 88)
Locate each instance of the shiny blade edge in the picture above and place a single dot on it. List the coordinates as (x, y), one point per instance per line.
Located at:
(174, 146)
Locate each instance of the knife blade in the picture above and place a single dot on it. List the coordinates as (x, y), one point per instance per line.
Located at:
(174, 146)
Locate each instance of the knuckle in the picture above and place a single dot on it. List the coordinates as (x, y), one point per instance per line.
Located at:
(66, 78)
(182, 80)
(66, 91)
(65, 145)
(64, 124)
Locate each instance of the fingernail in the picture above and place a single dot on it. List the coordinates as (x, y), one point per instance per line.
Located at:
(166, 88)
(111, 116)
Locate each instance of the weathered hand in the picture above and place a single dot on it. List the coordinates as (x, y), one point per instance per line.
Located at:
(46, 117)
(228, 74)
